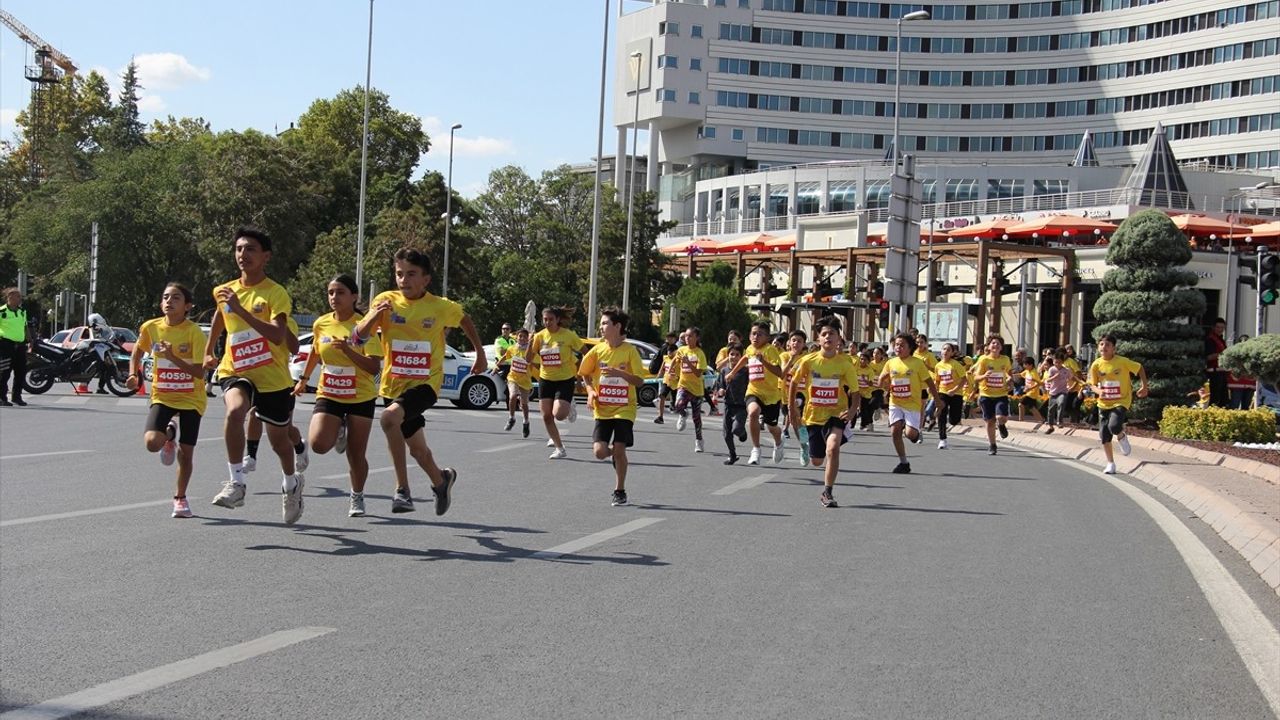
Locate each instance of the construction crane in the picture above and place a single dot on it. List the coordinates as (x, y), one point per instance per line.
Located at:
(49, 67)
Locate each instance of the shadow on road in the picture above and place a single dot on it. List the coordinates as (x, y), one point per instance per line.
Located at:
(711, 511)
(904, 508)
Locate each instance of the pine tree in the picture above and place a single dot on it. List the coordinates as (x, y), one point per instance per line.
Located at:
(1149, 303)
(126, 130)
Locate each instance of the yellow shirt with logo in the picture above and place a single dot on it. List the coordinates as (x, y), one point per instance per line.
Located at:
(520, 372)
(170, 385)
(927, 357)
(906, 382)
(721, 356)
(949, 374)
(413, 341)
(670, 371)
(992, 375)
(341, 380)
(762, 382)
(828, 382)
(692, 363)
(555, 353)
(866, 378)
(1033, 386)
(615, 397)
(877, 369)
(249, 355)
(1112, 381)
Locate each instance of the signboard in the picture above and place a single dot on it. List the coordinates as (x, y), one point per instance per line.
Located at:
(946, 323)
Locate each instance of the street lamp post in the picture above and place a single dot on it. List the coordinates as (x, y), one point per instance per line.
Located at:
(897, 81)
(364, 154)
(448, 211)
(631, 184)
(595, 209)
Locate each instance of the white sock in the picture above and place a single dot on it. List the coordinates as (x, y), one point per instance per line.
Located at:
(288, 483)
(237, 472)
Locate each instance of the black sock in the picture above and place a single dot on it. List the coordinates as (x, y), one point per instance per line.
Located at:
(300, 448)
(251, 447)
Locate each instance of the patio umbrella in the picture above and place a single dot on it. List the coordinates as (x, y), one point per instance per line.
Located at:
(1202, 226)
(747, 243)
(1057, 225)
(988, 229)
(780, 243)
(698, 245)
(1265, 231)
(531, 316)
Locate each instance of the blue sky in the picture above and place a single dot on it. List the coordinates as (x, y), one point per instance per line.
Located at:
(523, 78)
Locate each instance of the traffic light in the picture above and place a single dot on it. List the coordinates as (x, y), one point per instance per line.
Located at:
(883, 314)
(1268, 278)
(877, 290)
(938, 289)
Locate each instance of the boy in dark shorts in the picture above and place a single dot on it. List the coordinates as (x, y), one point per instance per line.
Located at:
(611, 372)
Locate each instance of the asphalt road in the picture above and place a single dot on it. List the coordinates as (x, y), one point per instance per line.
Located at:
(977, 587)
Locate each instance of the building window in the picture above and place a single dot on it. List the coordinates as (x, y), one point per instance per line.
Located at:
(720, 3)
(842, 196)
(668, 28)
(878, 192)
(668, 61)
(695, 64)
(1050, 187)
(708, 132)
(997, 189)
(962, 190)
(737, 134)
(664, 95)
(695, 31)
(695, 98)
(744, 3)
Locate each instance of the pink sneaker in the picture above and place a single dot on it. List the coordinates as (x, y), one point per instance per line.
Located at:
(168, 452)
(181, 508)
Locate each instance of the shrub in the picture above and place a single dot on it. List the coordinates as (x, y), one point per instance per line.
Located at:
(1248, 426)
(1258, 357)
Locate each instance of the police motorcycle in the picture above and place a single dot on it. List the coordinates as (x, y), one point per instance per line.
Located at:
(101, 357)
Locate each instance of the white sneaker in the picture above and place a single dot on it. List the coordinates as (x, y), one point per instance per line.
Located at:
(551, 443)
(356, 508)
(340, 445)
(291, 501)
(697, 446)
(1123, 442)
(573, 412)
(557, 454)
(170, 449)
(301, 460)
(754, 458)
(680, 421)
(778, 454)
(249, 464)
(942, 444)
(231, 495)
(1110, 469)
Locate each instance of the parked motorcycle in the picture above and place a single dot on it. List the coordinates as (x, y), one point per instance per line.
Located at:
(102, 358)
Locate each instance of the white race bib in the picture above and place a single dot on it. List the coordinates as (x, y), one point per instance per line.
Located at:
(901, 387)
(550, 355)
(824, 392)
(248, 350)
(169, 378)
(755, 369)
(1109, 389)
(337, 381)
(995, 380)
(613, 391)
(411, 359)
(519, 365)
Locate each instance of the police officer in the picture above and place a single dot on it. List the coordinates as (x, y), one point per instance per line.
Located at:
(500, 346)
(13, 346)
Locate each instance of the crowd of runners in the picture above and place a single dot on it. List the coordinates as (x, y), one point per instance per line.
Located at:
(783, 386)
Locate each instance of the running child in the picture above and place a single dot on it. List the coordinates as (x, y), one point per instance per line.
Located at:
(1058, 381)
(347, 393)
(555, 345)
(254, 310)
(733, 391)
(611, 371)
(692, 363)
(992, 375)
(867, 416)
(794, 347)
(177, 386)
(829, 382)
(764, 396)
(1110, 376)
(1032, 389)
(519, 379)
(904, 377)
(668, 377)
(413, 324)
(253, 434)
(951, 377)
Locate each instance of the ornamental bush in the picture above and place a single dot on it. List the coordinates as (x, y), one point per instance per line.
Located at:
(1246, 426)
(1149, 303)
(1257, 357)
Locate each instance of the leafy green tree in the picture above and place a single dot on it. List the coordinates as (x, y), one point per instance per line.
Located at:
(1148, 303)
(713, 305)
(125, 131)
(1256, 357)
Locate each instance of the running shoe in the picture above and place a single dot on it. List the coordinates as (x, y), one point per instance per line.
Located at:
(991, 450)
(1004, 431)
(658, 421)
(778, 454)
(558, 454)
(918, 438)
(19, 402)
(942, 444)
(741, 433)
(1110, 469)
(444, 493)
(511, 422)
(804, 456)
(551, 443)
(231, 495)
(731, 460)
(573, 412)
(169, 451)
(181, 508)
(302, 460)
(1123, 442)
(697, 446)
(754, 457)
(902, 468)
(786, 433)
(291, 500)
(5, 403)
(340, 445)
(827, 499)
(524, 430)
(680, 423)
(357, 505)
(1049, 431)
(401, 502)
(249, 464)
(619, 498)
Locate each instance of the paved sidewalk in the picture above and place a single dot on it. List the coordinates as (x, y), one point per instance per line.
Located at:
(1239, 498)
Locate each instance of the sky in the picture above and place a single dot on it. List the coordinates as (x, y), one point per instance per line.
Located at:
(523, 78)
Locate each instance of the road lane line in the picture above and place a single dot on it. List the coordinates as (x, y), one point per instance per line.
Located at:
(574, 546)
(156, 678)
(83, 513)
(73, 400)
(503, 448)
(44, 454)
(744, 484)
(1255, 639)
(344, 475)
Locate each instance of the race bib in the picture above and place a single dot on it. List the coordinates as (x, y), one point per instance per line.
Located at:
(864, 382)
(689, 365)
(613, 391)
(411, 359)
(755, 369)
(1109, 389)
(901, 387)
(170, 379)
(337, 381)
(550, 355)
(248, 350)
(944, 376)
(995, 380)
(519, 365)
(825, 392)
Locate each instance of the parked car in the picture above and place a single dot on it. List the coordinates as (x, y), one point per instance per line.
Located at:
(72, 337)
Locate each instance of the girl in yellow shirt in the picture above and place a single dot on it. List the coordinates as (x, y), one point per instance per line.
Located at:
(992, 376)
(519, 379)
(611, 372)
(555, 346)
(951, 376)
(692, 362)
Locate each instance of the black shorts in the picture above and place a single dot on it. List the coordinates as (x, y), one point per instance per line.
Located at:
(557, 389)
(768, 411)
(272, 408)
(188, 422)
(668, 392)
(414, 401)
(993, 407)
(342, 409)
(614, 430)
(818, 435)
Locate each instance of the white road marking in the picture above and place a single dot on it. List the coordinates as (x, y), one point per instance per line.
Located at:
(1254, 637)
(73, 400)
(594, 539)
(345, 475)
(504, 448)
(83, 513)
(44, 454)
(744, 484)
(149, 680)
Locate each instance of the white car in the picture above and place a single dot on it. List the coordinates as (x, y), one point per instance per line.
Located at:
(473, 392)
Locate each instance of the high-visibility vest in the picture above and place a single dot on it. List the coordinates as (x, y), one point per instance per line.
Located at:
(13, 324)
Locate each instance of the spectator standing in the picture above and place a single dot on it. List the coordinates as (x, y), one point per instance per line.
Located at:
(501, 345)
(14, 337)
(1214, 344)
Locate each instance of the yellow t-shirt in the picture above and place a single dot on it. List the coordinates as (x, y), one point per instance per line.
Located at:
(520, 367)
(866, 378)
(927, 357)
(555, 353)
(762, 382)
(670, 371)
(249, 355)
(615, 397)
(1032, 387)
(1073, 364)
(877, 369)
(413, 340)
(171, 386)
(692, 363)
(341, 380)
(828, 382)
(949, 374)
(906, 382)
(992, 375)
(721, 355)
(1111, 380)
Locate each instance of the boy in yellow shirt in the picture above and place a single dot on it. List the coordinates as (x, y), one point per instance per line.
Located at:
(611, 372)
(830, 384)
(519, 379)
(764, 399)
(668, 377)
(1110, 377)
(904, 380)
(951, 377)
(992, 375)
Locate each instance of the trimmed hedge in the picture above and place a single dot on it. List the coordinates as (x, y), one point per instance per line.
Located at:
(1248, 426)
